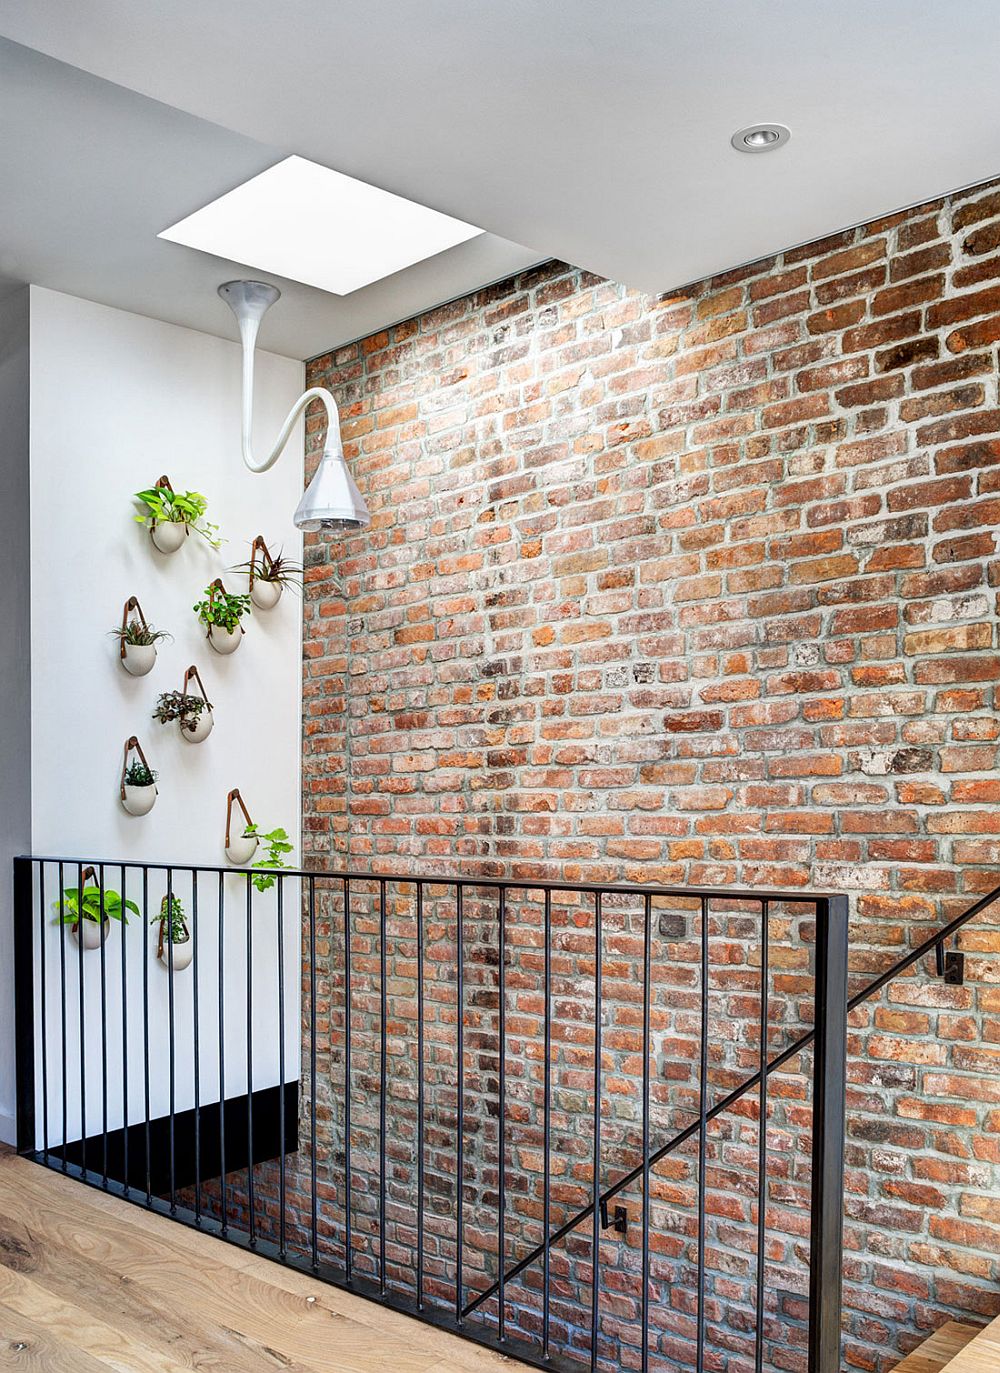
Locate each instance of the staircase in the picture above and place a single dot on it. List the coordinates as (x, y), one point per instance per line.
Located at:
(957, 1347)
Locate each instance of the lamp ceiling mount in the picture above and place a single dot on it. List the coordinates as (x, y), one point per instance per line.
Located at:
(332, 501)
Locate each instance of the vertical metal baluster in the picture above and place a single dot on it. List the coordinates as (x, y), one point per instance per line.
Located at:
(596, 1233)
(646, 1007)
(62, 1015)
(826, 1240)
(44, 1012)
(25, 1027)
(145, 1036)
(196, 1030)
(460, 1067)
(702, 1133)
(171, 1046)
(547, 1123)
(502, 1115)
(281, 1071)
(104, 1033)
(313, 1192)
(222, 1052)
(124, 971)
(382, 1088)
(348, 1245)
(251, 1205)
(82, 1013)
(420, 1096)
(762, 1142)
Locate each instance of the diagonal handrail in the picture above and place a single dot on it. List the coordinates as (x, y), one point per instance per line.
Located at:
(730, 1099)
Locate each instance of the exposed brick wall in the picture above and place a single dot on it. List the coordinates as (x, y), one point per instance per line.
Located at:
(694, 589)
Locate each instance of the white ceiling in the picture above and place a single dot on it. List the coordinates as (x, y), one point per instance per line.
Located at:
(590, 131)
(91, 172)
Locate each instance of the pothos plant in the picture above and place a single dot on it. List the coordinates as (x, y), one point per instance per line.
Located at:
(224, 609)
(73, 908)
(274, 855)
(177, 507)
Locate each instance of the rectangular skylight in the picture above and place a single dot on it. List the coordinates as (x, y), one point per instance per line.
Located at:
(311, 224)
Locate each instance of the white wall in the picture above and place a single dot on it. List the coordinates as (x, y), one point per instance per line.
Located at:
(15, 661)
(116, 400)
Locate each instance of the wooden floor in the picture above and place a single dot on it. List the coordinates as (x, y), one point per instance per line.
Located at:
(89, 1283)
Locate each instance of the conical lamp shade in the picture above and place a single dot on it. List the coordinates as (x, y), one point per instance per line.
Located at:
(331, 500)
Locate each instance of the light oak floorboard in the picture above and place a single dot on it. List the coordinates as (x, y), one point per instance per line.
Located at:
(939, 1349)
(183, 1298)
(981, 1354)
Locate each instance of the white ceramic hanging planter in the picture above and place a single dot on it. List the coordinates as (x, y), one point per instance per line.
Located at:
(168, 535)
(183, 953)
(264, 594)
(137, 798)
(176, 954)
(222, 640)
(240, 847)
(195, 725)
(88, 932)
(267, 574)
(138, 659)
(225, 641)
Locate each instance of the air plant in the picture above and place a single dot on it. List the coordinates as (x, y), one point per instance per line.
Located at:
(280, 569)
(139, 635)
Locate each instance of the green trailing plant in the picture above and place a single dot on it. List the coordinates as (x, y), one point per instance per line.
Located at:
(89, 908)
(224, 609)
(174, 705)
(279, 569)
(177, 507)
(274, 856)
(178, 932)
(137, 774)
(139, 635)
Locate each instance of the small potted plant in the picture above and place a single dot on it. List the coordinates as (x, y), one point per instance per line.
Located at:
(241, 845)
(174, 946)
(137, 640)
(170, 516)
(268, 575)
(192, 713)
(221, 612)
(82, 911)
(138, 782)
(274, 856)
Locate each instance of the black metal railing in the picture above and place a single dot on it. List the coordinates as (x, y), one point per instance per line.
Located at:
(431, 1090)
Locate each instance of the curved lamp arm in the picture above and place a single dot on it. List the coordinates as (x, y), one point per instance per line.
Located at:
(331, 501)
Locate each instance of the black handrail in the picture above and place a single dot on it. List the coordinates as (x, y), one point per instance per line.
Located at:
(733, 1096)
(807, 897)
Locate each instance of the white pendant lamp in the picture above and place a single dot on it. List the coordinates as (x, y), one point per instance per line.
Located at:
(331, 502)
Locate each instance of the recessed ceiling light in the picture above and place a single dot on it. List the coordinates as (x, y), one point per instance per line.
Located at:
(760, 138)
(312, 224)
